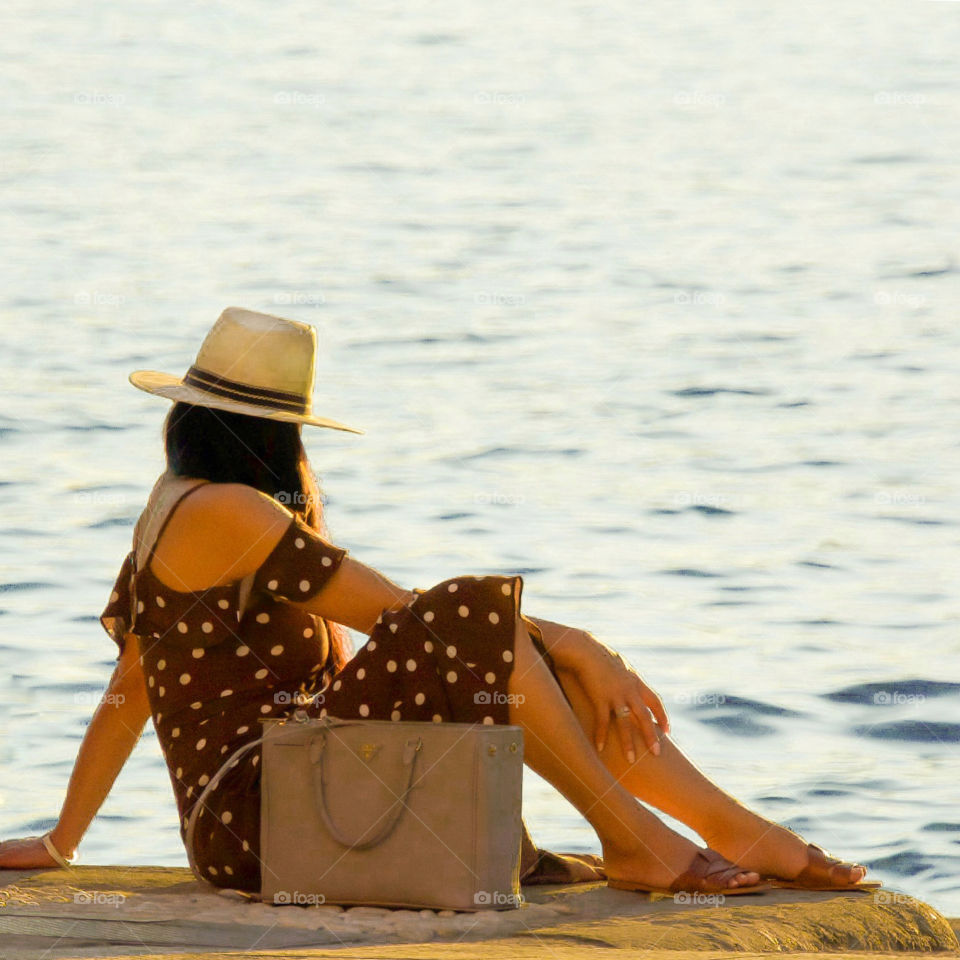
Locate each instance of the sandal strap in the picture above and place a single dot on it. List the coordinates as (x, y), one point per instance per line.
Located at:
(709, 872)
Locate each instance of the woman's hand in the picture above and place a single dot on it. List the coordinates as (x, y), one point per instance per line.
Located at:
(618, 695)
(24, 853)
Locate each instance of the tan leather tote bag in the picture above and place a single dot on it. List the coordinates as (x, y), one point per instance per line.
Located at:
(388, 813)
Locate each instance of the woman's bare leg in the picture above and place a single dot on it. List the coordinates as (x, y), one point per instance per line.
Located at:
(671, 783)
(636, 844)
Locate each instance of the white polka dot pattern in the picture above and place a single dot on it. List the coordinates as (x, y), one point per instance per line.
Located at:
(300, 564)
(424, 661)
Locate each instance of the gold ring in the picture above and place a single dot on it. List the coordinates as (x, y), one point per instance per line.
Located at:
(623, 712)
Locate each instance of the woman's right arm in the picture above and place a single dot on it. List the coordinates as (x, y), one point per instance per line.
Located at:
(107, 744)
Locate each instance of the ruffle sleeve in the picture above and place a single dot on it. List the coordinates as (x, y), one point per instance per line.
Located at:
(117, 617)
(300, 565)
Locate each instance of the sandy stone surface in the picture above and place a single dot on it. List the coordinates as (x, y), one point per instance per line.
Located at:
(91, 911)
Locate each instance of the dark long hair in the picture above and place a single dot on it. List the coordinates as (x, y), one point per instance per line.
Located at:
(226, 447)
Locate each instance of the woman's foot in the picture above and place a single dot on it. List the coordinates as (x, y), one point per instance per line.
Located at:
(665, 856)
(771, 849)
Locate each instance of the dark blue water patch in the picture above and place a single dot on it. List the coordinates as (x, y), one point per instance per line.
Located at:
(816, 622)
(790, 404)
(702, 509)
(528, 571)
(878, 784)
(938, 826)
(884, 693)
(923, 272)
(774, 799)
(817, 565)
(730, 603)
(688, 572)
(84, 618)
(93, 690)
(802, 825)
(739, 724)
(612, 530)
(907, 863)
(104, 488)
(827, 792)
(709, 511)
(494, 452)
(757, 337)
(770, 467)
(915, 521)
(719, 701)
(466, 337)
(26, 585)
(454, 516)
(94, 427)
(111, 522)
(934, 271)
(934, 625)
(911, 731)
(714, 391)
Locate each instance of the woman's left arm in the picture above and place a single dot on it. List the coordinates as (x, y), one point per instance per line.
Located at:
(609, 681)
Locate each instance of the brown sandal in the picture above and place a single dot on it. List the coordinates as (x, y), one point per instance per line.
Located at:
(818, 874)
(707, 872)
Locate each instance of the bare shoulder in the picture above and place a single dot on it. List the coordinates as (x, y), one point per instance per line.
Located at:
(234, 498)
(221, 532)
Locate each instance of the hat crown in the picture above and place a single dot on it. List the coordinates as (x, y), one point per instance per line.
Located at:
(250, 363)
(261, 351)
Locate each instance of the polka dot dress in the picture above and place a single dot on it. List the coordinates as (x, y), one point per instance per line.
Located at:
(213, 672)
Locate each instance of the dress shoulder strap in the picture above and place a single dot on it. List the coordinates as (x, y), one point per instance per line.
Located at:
(166, 520)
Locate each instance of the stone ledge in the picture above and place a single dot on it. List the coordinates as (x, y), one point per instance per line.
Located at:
(104, 911)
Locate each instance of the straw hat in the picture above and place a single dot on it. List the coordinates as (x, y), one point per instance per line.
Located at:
(250, 363)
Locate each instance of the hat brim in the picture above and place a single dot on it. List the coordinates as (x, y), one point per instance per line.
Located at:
(173, 388)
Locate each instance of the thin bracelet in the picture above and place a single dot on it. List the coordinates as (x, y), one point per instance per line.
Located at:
(54, 852)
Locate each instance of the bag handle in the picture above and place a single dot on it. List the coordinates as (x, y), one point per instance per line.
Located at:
(241, 751)
(198, 805)
(411, 748)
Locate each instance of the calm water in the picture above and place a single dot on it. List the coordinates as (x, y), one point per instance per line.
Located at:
(658, 310)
